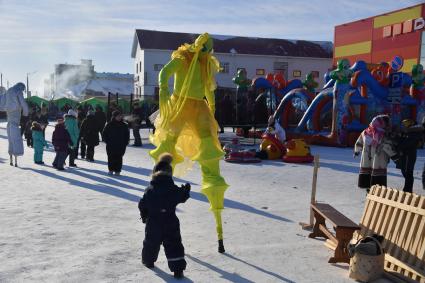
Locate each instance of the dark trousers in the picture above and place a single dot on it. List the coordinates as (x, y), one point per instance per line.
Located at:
(60, 159)
(71, 153)
(167, 235)
(136, 134)
(408, 165)
(423, 178)
(83, 148)
(90, 152)
(114, 162)
(29, 140)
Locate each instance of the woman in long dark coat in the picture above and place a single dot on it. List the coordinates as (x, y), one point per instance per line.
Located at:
(89, 134)
(116, 135)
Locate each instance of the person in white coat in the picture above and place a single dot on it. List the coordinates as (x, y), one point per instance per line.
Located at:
(376, 149)
(14, 104)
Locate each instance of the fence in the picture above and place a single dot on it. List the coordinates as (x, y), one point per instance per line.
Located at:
(400, 218)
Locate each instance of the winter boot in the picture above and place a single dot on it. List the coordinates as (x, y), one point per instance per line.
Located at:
(149, 265)
(178, 274)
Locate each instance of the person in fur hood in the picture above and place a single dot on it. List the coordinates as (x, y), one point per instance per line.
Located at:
(158, 210)
(376, 148)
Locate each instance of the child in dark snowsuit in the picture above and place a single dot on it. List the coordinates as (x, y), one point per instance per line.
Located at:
(38, 142)
(158, 211)
(61, 140)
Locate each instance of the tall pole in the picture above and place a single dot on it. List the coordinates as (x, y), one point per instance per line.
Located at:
(309, 226)
(1, 80)
(27, 86)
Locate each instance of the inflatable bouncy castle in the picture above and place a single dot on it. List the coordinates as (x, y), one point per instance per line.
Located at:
(297, 152)
(351, 97)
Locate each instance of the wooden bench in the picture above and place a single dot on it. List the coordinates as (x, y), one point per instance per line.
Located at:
(344, 229)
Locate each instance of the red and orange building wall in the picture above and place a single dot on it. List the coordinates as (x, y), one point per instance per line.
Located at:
(381, 38)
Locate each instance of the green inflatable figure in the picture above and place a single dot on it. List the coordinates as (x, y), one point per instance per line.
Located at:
(241, 81)
(242, 84)
(418, 77)
(343, 73)
(417, 90)
(310, 84)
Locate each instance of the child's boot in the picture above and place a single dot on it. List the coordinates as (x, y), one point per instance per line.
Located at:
(149, 265)
(178, 274)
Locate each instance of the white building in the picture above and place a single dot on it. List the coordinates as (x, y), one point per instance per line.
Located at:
(259, 56)
(81, 81)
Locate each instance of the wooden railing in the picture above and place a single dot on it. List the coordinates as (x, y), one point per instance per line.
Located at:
(400, 218)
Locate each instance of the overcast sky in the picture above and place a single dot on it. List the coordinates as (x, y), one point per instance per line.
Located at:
(36, 34)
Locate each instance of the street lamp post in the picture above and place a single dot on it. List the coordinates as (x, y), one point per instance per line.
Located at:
(28, 84)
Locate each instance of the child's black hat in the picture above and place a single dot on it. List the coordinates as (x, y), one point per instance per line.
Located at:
(164, 164)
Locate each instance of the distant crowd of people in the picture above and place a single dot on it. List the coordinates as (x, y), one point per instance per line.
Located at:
(77, 133)
(250, 108)
(380, 143)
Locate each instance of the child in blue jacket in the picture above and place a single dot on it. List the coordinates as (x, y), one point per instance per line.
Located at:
(38, 142)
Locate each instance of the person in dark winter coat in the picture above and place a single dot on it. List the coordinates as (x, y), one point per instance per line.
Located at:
(100, 119)
(44, 118)
(28, 133)
(71, 126)
(89, 134)
(39, 142)
(226, 112)
(116, 136)
(137, 117)
(411, 136)
(81, 115)
(423, 170)
(158, 210)
(61, 141)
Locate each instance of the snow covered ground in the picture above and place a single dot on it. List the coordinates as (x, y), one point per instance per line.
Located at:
(82, 225)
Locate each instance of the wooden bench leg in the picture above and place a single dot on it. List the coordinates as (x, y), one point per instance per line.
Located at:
(343, 237)
(319, 220)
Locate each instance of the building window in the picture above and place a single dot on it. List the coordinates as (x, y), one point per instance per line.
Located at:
(281, 67)
(224, 67)
(158, 67)
(260, 72)
(137, 68)
(315, 74)
(140, 66)
(296, 73)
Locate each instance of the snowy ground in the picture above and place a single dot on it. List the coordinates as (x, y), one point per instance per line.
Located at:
(82, 225)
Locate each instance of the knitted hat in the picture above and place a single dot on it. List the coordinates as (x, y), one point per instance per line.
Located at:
(72, 113)
(116, 113)
(164, 164)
